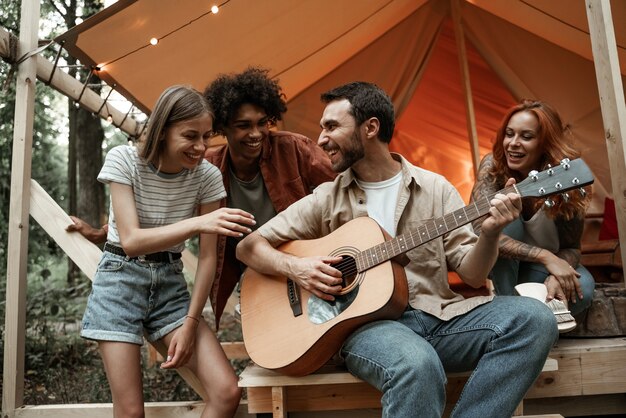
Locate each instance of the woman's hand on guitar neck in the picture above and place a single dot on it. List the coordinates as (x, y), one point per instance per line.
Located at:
(316, 275)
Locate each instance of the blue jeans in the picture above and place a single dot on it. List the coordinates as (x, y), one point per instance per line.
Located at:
(129, 297)
(507, 273)
(505, 342)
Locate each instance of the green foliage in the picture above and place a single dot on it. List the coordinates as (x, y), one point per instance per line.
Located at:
(48, 165)
(60, 367)
(10, 15)
(58, 361)
(53, 310)
(48, 159)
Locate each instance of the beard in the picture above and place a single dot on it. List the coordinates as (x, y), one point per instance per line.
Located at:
(351, 154)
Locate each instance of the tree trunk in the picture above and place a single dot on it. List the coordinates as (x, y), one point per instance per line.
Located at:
(90, 135)
(71, 156)
(86, 194)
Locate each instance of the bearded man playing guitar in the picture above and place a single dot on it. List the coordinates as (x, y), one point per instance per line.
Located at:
(504, 340)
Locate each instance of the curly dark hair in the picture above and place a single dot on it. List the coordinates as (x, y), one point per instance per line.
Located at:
(229, 91)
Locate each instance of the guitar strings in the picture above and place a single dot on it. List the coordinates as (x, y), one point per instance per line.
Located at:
(349, 263)
(481, 206)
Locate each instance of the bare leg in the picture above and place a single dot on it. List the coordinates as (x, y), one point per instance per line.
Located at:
(210, 365)
(122, 363)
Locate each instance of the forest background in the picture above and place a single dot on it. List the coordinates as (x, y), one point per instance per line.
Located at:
(69, 145)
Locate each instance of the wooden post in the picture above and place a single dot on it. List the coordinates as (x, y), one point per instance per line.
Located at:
(279, 402)
(470, 116)
(15, 316)
(612, 104)
(70, 87)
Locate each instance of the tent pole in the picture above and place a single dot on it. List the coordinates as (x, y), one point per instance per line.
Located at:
(611, 92)
(15, 315)
(470, 116)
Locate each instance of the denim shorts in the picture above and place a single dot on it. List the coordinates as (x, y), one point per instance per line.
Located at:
(132, 298)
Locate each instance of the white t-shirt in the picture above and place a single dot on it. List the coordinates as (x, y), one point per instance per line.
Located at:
(160, 198)
(381, 201)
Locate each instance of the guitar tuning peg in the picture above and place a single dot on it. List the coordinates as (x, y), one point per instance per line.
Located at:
(565, 197)
(533, 175)
(583, 192)
(565, 163)
(550, 171)
(548, 203)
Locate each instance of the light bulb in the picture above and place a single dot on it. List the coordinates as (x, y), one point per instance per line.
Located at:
(154, 41)
(215, 9)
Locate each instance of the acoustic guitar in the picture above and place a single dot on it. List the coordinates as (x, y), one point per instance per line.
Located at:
(290, 330)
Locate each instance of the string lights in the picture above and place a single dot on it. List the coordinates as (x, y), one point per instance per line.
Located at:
(95, 70)
(155, 40)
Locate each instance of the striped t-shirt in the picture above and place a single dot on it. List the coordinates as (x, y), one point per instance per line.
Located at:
(161, 198)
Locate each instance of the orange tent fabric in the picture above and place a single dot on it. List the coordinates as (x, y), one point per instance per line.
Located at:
(516, 48)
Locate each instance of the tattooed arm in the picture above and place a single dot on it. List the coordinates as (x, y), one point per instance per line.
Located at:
(510, 248)
(570, 234)
(484, 186)
(562, 281)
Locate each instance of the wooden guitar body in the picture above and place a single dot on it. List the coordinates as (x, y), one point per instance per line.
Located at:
(277, 339)
(289, 330)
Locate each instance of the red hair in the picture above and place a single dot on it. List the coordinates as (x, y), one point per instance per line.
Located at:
(555, 142)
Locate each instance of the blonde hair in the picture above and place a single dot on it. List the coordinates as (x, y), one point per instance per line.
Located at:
(176, 104)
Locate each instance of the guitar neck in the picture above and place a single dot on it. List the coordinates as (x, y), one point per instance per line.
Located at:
(426, 232)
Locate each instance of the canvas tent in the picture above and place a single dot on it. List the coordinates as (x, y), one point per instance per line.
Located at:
(515, 49)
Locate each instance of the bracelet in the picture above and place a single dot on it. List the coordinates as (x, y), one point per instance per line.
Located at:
(193, 317)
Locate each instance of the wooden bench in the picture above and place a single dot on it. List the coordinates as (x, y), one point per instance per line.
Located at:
(581, 377)
(590, 380)
(330, 388)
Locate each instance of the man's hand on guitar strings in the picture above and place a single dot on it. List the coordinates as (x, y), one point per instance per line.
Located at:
(504, 210)
(317, 276)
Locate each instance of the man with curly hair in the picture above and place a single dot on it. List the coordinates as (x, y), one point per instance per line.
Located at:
(264, 170)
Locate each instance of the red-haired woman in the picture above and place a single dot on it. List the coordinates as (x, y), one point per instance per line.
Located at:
(544, 244)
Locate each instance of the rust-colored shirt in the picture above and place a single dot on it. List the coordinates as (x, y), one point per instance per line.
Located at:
(292, 165)
(423, 196)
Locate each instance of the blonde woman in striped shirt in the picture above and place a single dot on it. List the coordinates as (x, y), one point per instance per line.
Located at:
(157, 189)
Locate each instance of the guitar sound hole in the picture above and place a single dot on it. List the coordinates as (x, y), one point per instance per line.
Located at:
(348, 270)
(320, 310)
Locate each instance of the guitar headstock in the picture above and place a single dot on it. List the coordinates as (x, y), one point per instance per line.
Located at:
(566, 176)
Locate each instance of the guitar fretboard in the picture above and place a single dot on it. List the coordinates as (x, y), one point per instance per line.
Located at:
(426, 232)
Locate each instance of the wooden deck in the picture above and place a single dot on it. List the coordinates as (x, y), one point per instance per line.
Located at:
(590, 378)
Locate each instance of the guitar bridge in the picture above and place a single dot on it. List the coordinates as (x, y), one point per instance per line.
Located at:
(293, 293)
